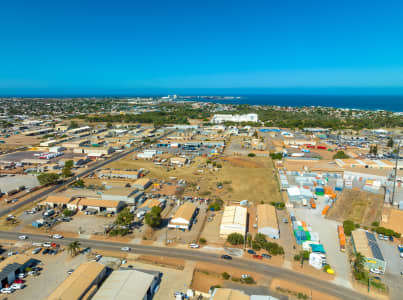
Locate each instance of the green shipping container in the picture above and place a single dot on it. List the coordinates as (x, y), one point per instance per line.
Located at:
(320, 193)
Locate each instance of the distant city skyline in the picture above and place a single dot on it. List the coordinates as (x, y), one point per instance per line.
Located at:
(212, 47)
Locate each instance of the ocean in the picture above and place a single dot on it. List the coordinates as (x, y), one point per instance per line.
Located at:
(387, 102)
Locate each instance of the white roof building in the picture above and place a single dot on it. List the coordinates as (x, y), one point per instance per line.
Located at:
(127, 284)
(221, 118)
(234, 220)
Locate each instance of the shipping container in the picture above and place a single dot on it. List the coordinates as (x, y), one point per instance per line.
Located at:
(325, 210)
(312, 203)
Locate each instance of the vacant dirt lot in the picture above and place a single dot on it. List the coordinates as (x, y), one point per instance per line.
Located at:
(19, 140)
(359, 206)
(291, 289)
(243, 178)
(394, 220)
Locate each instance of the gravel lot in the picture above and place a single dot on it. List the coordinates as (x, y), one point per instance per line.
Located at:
(88, 224)
(9, 183)
(327, 230)
(54, 271)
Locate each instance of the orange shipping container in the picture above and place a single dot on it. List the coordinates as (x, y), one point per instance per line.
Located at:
(312, 202)
(325, 209)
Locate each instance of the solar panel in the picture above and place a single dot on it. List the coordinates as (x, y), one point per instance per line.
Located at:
(370, 236)
(376, 252)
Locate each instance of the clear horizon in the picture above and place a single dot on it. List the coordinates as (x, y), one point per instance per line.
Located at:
(126, 47)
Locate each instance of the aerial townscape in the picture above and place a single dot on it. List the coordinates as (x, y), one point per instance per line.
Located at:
(201, 150)
(173, 198)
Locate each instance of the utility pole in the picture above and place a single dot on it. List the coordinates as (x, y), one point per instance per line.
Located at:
(395, 177)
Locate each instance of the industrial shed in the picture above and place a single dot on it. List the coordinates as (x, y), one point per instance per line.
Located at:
(267, 223)
(12, 266)
(128, 284)
(364, 242)
(183, 217)
(99, 205)
(81, 284)
(234, 220)
(142, 183)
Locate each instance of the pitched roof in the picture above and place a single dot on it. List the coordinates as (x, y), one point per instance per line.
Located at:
(266, 216)
(75, 286)
(185, 211)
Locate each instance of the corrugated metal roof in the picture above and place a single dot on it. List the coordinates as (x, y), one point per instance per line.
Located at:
(266, 216)
(125, 284)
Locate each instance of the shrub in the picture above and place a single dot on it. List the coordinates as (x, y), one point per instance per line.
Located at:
(256, 246)
(202, 241)
(248, 280)
(348, 227)
(235, 239)
(251, 154)
(375, 224)
(340, 155)
(275, 156)
(326, 267)
(225, 275)
(297, 257)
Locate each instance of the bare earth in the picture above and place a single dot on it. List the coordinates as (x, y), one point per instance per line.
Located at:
(359, 206)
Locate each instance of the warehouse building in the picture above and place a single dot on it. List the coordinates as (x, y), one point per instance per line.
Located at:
(234, 220)
(128, 195)
(364, 242)
(81, 284)
(119, 174)
(99, 205)
(12, 266)
(267, 223)
(142, 183)
(183, 217)
(129, 284)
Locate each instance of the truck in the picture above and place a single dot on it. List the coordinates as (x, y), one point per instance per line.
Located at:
(48, 213)
(312, 203)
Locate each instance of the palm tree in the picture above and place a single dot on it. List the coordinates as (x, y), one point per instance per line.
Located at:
(359, 263)
(74, 248)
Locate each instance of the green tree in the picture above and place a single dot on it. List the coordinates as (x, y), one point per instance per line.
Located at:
(67, 212)
(348, 227)
(153, 218)
(73, 125)
(74, 248)
(235, 239)
(48, 178)
(340, 155)
(390, 142)
(125, 217)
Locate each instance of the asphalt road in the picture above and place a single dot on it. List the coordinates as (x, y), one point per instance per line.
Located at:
(68, 181)
(199, 255)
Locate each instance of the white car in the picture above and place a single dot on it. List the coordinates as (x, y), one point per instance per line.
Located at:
(57, 236)
(47, 244)
(376, 271)
(22, 275)
(17, 286)
(98, 257)
(22, 237)
(194, 246)
(6, 290)
(126, 249)
(243, 276)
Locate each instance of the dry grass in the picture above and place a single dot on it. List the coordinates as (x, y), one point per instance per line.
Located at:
(358, 206)
(243, 178)
(394, 220)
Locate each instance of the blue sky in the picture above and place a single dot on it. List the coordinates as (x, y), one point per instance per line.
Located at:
(84, 47)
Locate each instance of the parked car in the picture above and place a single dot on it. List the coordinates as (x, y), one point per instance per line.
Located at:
(243, 276)
(225, 256)
(47, 244)
(46, 251)
(23, 237)
(376, 271)
(194, 246)
(57, 236)
(70, 271)
(36, 250)
(17, 286)
(255, 256)
(126, 249)
(22, 275)
(391, 238)
(250, 251)
(98, 257)
(6, 290)
(266, 255)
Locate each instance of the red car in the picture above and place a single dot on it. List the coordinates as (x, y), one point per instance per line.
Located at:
(256, 256)
(19, 281)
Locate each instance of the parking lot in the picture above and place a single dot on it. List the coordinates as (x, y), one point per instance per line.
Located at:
(54, 271)
(11, 182)
(86, 224)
